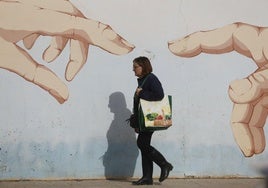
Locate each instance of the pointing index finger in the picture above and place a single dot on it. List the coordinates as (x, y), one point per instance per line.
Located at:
(100, 35)
(64, 24)
(213, 41)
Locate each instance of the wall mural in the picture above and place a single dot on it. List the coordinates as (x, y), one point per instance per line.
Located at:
(69, 25)
(248, 95)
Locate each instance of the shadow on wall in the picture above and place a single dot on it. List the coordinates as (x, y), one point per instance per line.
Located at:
(120, 158)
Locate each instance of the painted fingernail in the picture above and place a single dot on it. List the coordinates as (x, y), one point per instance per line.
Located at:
(171, 42)
(127, 43)
(50, 54)
(112, 35)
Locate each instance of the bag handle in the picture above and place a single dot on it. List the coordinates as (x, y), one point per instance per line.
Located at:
(140, 86)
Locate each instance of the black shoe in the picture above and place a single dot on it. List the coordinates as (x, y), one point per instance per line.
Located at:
(143, 181)
(165, 171)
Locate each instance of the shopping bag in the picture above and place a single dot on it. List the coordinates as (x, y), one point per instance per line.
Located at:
(155, 115)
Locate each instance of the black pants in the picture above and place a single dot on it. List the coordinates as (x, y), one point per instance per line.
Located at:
(144, 142)
(149, 154)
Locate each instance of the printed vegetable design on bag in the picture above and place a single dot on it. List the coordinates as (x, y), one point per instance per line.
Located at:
(157, 114)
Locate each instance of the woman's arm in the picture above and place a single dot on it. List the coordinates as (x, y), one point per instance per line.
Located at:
(152, 89)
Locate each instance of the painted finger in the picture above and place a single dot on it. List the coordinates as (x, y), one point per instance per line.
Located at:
(101, 35)
(214, 41)
(64, 6)
(249, 89)
(13, 12)
(247, 122)
(257, 122)
(248, 40)
(18, 61)
(78, 57)
(242, 134)
(55, 48)
(65, 25)
(30, 40)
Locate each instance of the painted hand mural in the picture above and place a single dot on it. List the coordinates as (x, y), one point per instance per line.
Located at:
(249, 95)
(26, 20)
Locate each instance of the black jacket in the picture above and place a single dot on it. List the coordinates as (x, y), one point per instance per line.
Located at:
(151, 90)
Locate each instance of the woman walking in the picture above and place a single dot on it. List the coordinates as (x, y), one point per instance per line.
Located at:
(150, 89)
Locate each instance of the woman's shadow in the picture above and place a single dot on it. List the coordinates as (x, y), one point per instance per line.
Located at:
(120, 158)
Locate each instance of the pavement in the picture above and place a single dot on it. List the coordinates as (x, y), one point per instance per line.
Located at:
(169, 183)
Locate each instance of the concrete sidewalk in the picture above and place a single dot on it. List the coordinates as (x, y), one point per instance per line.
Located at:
(169, 183)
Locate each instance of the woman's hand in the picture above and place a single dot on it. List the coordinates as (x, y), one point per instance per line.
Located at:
(138, 90)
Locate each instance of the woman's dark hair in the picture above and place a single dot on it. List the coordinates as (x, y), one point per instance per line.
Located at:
(145, 63)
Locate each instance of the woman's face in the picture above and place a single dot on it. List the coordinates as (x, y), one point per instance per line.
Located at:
(137, 69)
